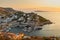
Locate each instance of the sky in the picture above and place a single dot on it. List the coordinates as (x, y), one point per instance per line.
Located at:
(49, 5)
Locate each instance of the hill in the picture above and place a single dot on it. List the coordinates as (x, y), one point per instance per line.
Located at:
(27, 21)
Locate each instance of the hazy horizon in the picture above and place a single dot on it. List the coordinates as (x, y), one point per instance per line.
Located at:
(48, 5)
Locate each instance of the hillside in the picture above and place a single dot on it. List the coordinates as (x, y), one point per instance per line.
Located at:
(27, 21)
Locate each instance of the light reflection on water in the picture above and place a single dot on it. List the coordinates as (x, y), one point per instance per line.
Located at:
(53, 29)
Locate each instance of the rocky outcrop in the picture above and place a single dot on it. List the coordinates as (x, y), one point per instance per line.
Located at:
(22, 36)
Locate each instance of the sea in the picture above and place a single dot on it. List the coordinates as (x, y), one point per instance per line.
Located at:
(47, 30)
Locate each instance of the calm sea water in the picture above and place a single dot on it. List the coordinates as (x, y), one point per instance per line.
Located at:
(48, 30)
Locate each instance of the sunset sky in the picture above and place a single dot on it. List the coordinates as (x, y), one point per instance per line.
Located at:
(49, 5)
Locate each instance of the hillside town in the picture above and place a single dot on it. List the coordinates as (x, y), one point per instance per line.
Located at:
(27, 22)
